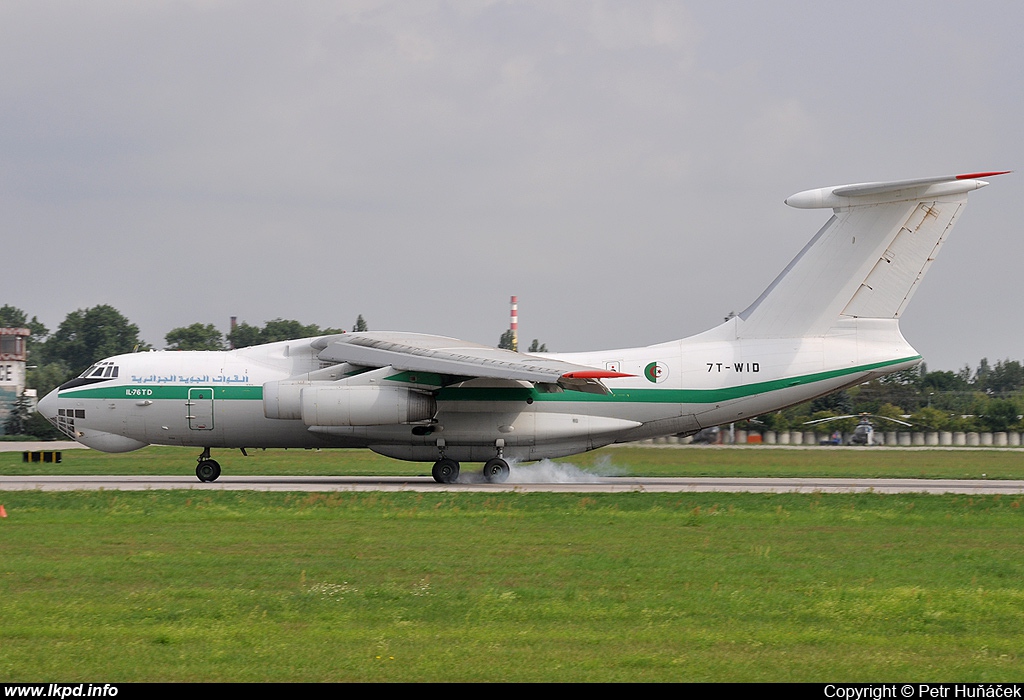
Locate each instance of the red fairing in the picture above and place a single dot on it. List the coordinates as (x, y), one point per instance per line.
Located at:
(595, 374)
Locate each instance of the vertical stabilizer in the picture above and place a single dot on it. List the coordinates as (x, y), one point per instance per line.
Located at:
(866, 261)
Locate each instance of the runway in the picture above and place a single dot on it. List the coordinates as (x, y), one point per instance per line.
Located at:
(525, 480)
(613, 484)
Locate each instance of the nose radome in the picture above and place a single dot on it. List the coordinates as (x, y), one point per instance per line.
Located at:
(48, 405)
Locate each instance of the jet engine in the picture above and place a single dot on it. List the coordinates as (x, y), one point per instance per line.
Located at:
(365, 405)
(327, 403)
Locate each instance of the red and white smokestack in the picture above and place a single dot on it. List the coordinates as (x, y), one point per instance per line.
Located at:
(514, 323)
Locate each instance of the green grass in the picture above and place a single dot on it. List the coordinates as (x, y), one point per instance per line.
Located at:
(245, 586)
(635, 461)
(520, 587)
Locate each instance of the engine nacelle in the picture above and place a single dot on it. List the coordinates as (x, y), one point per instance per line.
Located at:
(283, 400)
(364, 405)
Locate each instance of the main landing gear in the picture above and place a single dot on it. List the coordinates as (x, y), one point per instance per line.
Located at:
(446, 469)
(496, 470)
(207, 469)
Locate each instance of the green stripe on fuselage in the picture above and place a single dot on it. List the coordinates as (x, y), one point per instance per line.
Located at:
(180, 392)
(156, 392)
(656, 395)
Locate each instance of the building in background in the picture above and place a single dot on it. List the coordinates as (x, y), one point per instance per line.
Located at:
(12, 370)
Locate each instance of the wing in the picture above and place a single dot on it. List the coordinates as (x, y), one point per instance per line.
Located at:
(416, 352)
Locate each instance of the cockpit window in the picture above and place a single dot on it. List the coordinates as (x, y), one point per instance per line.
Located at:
(100, 370)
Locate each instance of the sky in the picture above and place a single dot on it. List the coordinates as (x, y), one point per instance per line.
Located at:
(621, 167)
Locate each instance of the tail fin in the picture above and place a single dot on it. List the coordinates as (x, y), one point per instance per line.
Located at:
(867, 261)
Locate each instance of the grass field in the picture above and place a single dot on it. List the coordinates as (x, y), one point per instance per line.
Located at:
(246, 586)
(635, 461)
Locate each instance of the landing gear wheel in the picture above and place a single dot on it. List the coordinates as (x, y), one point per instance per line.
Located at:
(208, 470)
(496, 471)
(445, 471)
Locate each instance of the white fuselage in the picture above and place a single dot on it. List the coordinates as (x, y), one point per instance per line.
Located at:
(217, 399)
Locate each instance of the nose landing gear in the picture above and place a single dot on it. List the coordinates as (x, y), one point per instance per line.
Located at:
(207, 470)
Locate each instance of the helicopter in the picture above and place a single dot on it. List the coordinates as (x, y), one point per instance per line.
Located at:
(863, 434)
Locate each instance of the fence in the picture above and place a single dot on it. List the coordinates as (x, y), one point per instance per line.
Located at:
(888, 438)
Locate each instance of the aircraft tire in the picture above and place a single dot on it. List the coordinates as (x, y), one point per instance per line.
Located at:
(445, 471)
(496, 470)
(208, 470)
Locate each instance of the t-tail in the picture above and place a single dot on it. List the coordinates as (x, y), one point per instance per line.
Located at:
(831, 318)
(867, 261)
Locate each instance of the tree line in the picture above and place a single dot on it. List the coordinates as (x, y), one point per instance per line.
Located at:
(507, 341)
(88, 335)
(989, 397)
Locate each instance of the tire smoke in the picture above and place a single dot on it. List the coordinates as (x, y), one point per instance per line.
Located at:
(547, 471)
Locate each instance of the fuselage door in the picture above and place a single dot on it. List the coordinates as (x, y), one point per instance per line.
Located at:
(199, 409)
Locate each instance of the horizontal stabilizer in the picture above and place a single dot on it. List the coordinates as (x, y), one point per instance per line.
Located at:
(895, 190)
(866, 261)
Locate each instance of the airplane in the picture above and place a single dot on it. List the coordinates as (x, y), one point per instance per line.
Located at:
(830, 320)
